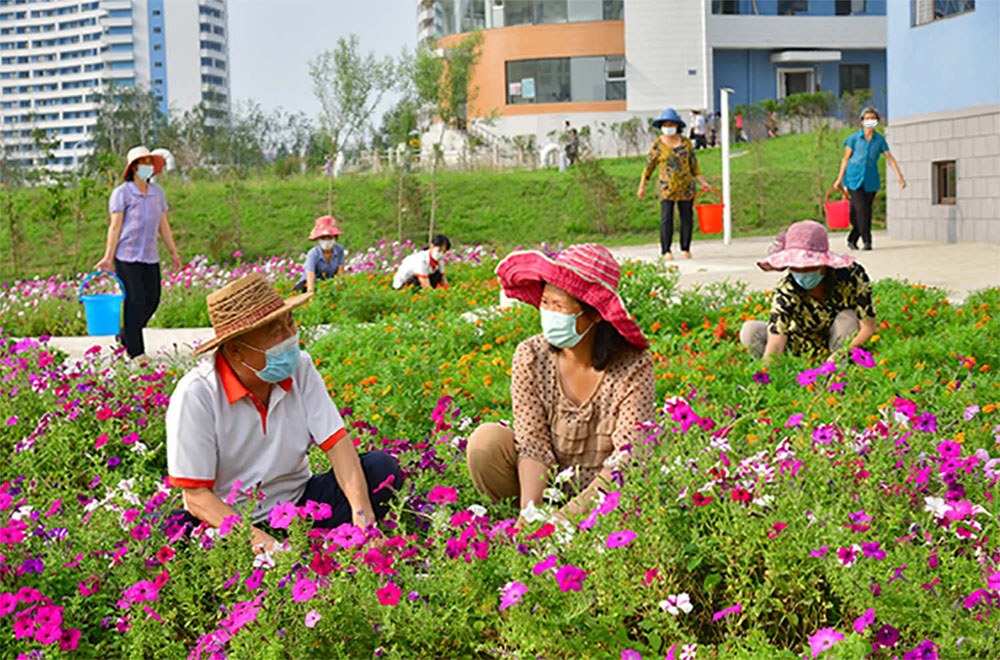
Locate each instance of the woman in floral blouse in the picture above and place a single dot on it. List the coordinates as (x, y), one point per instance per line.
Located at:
(673, 156)
(580, 390)
(823, 303)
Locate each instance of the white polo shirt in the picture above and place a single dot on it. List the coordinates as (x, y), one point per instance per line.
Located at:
(419, 265)
(218, 432)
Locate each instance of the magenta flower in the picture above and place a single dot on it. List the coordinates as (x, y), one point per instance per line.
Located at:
(761, 377)
(254, 580)
(312, 618)
(993, 581)
(69, 640)
(926, 422)
(873, 550)
(823, 640)
(848, 555)
(862, 358)
(441, 494)
(826, 368)
(618, 539)
(886, 636)
(807, 377)
(282, 515)
(512, 593)
(950, 449)
(629, 654)
(546, 564)
(794, 420)
(303, 590)
(970, 412)
(864, 620)
(776, 529)
(683, 414)
(389, 594)
(821, 552)
(735, 609)
(570, 578)
(925, 650)
(609, 503)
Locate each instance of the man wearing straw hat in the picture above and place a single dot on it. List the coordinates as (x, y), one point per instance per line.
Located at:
(247, 417)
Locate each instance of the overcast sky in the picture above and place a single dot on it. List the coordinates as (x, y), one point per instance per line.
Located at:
(272, 41)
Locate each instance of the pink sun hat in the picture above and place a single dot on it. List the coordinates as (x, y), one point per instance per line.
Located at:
(325, 225)
(587, 272)
(804, 245)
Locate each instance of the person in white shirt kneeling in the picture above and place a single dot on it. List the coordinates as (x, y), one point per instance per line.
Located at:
(247, 417)
(425, 268)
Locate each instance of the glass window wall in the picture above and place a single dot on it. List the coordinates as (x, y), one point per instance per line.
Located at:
(566, 79)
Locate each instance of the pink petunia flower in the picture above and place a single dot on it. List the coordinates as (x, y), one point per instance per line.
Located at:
(282, 515)
(823, 639)
(570, 578)
(721, 614)
(512, 594)
(389, 594)
(618, 539)
(776, 529)
(442, 494)
(312, 618)
(864, 620)
(545, 565)
(630, 654)
(862, 358)
(303, 590)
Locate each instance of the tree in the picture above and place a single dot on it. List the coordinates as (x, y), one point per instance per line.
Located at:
(349, 86)
(440, 81)
(127, 117)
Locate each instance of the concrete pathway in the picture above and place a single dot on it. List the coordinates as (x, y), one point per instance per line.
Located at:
(957, 268)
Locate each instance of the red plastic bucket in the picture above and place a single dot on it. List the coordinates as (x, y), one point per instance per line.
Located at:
(709, 215)
(838, 213)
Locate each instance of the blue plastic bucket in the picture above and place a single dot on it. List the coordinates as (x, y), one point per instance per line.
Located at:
(103, 310)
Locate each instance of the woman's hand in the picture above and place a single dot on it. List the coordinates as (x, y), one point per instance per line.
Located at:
(261, 541)
(641, 193)
(902, 182)
(839, 185)
(175, 262)
(105, 264)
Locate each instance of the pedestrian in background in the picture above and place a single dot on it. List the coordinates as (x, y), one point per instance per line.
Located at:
(859, 175)
(138, 210)
(672, 155)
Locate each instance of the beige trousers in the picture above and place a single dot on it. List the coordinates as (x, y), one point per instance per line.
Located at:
(492, 461)
(753, 335)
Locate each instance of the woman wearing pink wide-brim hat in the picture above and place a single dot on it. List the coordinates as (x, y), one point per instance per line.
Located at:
(326, 258)
(821, 304)
(579, 390)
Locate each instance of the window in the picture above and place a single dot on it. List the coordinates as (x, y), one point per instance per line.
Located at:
(792, 7)
(854, 77)
(944, 182)
(566, 79)
(157, 30)
(725, 6)
(157, 47)
(794, 81)
(928, 11)
(848, 7)
(540, 12)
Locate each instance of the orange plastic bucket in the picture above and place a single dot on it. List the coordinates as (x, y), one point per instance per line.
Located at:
(838, 213)
(709, 215)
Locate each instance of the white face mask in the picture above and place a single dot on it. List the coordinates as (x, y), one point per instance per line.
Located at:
(436, 254)
(327, 243)
(870, 123)
(668, 130)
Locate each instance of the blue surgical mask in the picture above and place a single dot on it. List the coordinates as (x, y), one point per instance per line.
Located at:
(281, 360)
(808, 280)
(144, 171)
(669, 130)
(560, 329)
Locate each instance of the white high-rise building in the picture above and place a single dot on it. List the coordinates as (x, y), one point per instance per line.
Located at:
(57, 57)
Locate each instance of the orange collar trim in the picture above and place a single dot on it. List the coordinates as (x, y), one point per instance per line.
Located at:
(235, 389)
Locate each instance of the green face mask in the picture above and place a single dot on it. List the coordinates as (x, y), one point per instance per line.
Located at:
(808, 280)
(560, 329)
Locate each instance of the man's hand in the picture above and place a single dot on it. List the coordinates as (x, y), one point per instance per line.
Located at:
(261, 541)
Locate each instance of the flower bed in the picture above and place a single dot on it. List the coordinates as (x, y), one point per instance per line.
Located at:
(842, 508)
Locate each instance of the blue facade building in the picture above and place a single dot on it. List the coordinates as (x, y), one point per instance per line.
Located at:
(944, 89)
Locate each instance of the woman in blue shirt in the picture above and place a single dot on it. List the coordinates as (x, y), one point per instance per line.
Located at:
(326, 258)
(859, 175)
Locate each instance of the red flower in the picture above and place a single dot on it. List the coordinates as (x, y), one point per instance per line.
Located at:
(701, 500)
(165, 554)
(543, 531)
(740, 495)
(776, 529)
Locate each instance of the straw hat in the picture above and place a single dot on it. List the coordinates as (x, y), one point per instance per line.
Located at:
(587, 272)
(135, 153)
(244, 305)
(804, 245)
(325, 225)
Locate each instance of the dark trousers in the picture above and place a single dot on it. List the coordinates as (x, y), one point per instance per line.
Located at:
(686, 209)
(861, 217)
(323, 488)
(435, 279)
(142, 296)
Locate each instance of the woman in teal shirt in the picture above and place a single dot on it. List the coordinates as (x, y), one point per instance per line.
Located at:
(859, 175)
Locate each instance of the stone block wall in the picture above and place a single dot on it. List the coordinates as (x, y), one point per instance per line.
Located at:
(970, 137)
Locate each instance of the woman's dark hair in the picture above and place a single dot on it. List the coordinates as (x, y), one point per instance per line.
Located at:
(441, 241)
(609, 344)
(130, 175)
